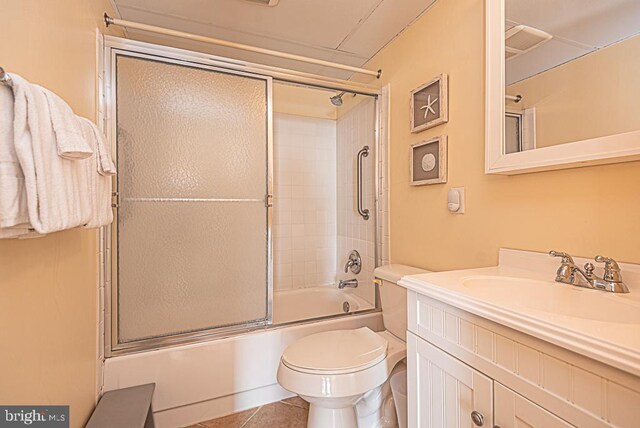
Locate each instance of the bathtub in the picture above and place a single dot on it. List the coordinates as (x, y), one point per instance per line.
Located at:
(213, 378)
(315, 302)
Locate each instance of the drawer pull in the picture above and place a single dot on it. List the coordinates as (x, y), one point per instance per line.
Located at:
(477, 418)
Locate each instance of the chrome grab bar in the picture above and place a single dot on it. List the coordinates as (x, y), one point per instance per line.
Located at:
(364, 152)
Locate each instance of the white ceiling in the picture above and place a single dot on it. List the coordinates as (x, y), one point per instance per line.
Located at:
(578, 27)
(344, 31)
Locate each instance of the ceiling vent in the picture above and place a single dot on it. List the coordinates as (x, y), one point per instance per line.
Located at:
(269, 3)
(521, 39)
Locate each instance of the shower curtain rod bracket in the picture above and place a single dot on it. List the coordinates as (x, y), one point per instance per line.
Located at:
(107, 20)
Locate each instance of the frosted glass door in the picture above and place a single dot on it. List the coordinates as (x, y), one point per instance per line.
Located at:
(192, 223)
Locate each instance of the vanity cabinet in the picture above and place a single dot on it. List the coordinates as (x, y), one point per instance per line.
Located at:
(460, 363)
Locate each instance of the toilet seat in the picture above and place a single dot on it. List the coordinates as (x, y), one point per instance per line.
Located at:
(336, 352)
(351, 383)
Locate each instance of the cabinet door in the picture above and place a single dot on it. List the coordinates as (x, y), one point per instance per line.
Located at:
(443, 391)
(513, 410)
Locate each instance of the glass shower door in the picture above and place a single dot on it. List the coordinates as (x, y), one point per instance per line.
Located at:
(193, 238)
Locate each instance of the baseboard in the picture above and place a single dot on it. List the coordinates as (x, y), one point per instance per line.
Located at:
(218, 407)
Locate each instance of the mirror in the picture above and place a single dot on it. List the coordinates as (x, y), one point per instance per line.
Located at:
(569, 77)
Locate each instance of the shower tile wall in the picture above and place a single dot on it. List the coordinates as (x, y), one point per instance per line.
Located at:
(304, 203)
(355, 129)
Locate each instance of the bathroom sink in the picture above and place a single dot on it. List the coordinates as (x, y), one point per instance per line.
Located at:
(553, 298)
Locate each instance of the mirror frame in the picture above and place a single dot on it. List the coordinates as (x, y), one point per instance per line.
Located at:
(624, 147)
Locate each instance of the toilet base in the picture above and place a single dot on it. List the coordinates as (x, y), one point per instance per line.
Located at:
(323, 417)
(361, 398)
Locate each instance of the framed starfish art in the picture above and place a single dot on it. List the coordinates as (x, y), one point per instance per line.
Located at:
(430, 104)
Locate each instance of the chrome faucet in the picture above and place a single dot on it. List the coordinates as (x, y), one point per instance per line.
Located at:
(569, 273)
(354, 263)
(351, 283)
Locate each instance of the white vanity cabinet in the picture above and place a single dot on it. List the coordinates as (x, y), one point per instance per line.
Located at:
(460, 363)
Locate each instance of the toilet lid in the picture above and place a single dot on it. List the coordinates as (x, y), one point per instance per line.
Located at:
(337, 351)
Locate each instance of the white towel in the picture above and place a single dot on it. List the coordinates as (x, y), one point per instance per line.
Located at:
(14, 213)
(14, 232)
(13, 195)
(70, 142)
(57, 188)
(105, 162)
(100, 182)
(20, 232)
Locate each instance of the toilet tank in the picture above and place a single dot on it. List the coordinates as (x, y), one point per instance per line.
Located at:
(393, 297)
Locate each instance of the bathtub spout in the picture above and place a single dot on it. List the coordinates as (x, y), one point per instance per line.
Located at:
(344, 283)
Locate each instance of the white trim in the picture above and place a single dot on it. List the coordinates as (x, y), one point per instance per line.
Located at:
(616, 148)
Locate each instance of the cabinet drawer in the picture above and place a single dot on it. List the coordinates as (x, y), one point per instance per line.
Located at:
(513, 410)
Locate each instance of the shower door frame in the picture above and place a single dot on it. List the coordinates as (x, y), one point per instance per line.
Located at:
(110, 233)
(113, 46)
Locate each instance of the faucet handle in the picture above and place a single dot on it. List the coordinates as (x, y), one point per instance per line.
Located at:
(611, 269)
(566, 257)
(608, 262)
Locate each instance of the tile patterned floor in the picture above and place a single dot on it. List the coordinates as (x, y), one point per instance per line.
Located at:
(289, 413)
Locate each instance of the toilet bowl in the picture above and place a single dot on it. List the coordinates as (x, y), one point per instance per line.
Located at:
(344, 374)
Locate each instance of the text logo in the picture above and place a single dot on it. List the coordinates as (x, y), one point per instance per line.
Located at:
(34, 416)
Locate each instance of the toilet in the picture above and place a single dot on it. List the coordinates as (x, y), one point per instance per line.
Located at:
(344, 374)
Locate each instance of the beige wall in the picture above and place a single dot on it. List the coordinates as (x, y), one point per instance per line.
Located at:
(48, 286)
(576, 101)
(302, 101)
(584, 211)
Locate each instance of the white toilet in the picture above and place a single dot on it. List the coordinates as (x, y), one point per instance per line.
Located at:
(344, 374)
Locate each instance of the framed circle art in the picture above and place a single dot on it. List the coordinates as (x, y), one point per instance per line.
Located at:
(428, 161)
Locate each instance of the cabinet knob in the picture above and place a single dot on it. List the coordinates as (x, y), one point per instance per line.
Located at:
(477, 418)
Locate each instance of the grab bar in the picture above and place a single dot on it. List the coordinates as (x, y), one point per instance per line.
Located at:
(363, 153)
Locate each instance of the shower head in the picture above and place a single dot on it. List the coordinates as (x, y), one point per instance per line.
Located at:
(336, 100)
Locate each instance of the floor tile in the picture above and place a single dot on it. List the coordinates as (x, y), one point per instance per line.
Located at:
(236, 420)
(296, 401)
(278, 415)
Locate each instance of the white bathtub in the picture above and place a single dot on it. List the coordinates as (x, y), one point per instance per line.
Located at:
(210, 379)
(315, 302)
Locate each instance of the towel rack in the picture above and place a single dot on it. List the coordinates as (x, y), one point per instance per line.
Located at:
(5, 79)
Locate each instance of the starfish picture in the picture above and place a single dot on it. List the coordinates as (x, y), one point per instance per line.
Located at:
(428, 107)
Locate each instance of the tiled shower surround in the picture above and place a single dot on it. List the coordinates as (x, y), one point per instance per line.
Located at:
(316, 223)
(356, 129)
(304, 203)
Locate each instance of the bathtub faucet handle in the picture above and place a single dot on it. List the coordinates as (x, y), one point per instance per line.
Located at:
(354, 263)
